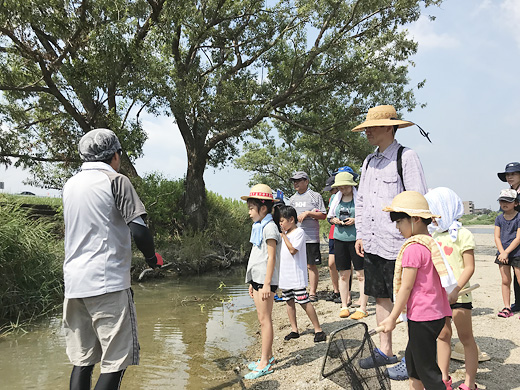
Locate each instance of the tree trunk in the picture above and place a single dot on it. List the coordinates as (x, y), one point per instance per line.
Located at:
(195, 207)
(127, 168)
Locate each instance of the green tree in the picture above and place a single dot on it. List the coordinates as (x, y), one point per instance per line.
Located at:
(66, 67)
(220, 68)
(318, 151)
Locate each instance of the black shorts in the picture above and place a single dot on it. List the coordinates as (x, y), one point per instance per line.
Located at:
(258, 286)
(421, 353)
(512, 261)
(467, 306)
(379, 276)
(313, 253)
(346, 256)
(331, 246)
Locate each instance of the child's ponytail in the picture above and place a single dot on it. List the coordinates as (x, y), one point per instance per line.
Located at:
(276, 214)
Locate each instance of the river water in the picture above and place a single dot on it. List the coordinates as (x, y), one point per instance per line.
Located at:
(192, 335)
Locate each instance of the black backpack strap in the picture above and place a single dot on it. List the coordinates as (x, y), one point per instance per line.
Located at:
(400, 164)
(368, 162)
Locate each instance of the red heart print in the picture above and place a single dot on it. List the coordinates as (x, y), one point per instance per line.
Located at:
(448, 250)
(440, 243)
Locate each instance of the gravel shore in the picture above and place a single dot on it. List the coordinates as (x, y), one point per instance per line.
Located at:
(299, 361)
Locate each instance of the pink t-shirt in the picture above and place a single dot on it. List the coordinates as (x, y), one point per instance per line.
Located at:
(428, 300)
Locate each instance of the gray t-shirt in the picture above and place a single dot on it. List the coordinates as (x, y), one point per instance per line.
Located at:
(98, 205)
(257, 264)
(308, 201)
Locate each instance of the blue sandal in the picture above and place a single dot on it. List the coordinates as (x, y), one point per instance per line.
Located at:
(252, 366)
(256, 373)
(398, 372)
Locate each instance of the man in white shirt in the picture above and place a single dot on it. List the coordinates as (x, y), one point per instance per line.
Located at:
(101, 212)
(310, 208)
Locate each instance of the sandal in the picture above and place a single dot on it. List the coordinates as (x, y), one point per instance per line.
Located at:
(344, 312)
(253, 365)
(313, 298)
(256, 373)
(464, 387)
(358, 314)
(505, 312)
(398, 372)
(448, 383)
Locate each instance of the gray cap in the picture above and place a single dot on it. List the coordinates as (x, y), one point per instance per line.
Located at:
(300, 175)
(508, 195)
(98, 145)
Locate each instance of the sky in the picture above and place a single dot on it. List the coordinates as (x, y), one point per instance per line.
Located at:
(469, 56)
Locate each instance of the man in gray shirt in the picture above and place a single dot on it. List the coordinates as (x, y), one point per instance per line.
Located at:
(310, 209)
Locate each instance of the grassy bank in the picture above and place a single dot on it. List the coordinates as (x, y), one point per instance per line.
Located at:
(483, 219)
(31, 263)
(224, 243)
(31, 244)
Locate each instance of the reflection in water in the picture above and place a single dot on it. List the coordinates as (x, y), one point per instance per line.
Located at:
(191, 334)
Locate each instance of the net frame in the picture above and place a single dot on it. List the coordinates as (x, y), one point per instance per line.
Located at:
(345, 348)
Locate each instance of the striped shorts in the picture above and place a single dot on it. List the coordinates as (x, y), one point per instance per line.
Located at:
(300, 295)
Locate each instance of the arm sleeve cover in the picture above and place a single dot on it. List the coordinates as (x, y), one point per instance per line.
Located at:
(143, 239)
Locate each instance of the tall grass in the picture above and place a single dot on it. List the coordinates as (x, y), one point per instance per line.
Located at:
(30, 267)
(225, 241)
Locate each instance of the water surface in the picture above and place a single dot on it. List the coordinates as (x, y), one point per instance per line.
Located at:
(192, 335)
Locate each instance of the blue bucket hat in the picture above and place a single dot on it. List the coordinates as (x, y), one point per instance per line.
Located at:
(346, 168)
(511, 167)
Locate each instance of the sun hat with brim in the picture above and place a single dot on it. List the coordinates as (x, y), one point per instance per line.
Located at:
(508, 195)
(260, 191)
(344, 179)
(382, 116)
(458, 353)
(328, 184)
(511, 167)
(412, 203)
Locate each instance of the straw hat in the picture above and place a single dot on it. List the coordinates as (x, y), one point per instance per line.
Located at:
(412, 203)
(458, 353)
(382, 116)
(259, 191)
(344, 179)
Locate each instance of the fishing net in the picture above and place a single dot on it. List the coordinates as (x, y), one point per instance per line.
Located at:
(346, 348)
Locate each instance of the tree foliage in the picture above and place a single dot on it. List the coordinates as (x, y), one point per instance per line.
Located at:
(223, 70)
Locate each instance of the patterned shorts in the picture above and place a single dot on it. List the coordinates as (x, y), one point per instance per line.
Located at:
(300, 295)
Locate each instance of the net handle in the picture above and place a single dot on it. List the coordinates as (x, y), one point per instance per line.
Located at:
(461, 292)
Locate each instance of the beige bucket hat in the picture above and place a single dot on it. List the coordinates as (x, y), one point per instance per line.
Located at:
(382, 116)
(458, 353)
(412, 203)
(344, 179)
(260, 191)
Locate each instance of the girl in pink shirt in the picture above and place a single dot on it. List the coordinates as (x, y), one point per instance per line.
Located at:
(420, 275)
